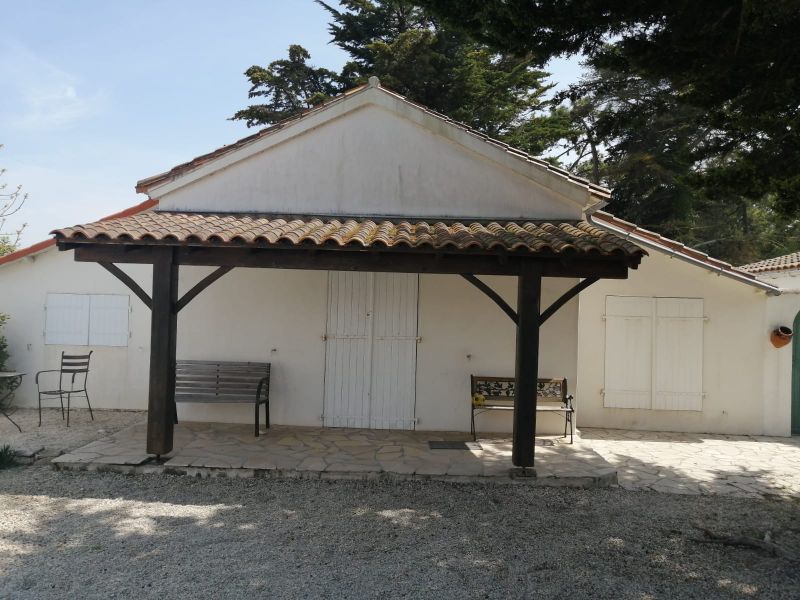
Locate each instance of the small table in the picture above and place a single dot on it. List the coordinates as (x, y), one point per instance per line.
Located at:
(14, 380)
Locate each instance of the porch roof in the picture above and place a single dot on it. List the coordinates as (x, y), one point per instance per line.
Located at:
(529, 250)
(575, 238)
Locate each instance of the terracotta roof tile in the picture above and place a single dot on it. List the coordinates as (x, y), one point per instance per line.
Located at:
(265, 230)
(787, 262)
(49, 243)
(647, 237)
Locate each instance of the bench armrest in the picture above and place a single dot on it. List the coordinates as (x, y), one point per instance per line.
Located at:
(568, 400)
(263, 384)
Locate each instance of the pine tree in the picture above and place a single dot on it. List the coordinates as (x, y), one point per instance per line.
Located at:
(415, 55)
(696, 103)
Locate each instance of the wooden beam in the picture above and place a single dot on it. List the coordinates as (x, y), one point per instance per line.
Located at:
(566, 297)
(494, 296)
(163, 334)
(201, 285)
(128, 281)
(365, 260)
(526, 372)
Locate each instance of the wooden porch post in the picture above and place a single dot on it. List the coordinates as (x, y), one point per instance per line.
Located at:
(163, 338)
(529, 288)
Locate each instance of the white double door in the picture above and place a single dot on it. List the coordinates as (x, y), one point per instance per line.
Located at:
(371, 350)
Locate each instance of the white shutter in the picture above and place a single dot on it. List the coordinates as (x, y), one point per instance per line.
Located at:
(679, 354)
(371, 354)
(628, 352)
(347, 355)
(67, 320)
(394, 351)
(108, 322)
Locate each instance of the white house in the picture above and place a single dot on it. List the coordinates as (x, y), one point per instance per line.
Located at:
(365, 212)
(782, 368)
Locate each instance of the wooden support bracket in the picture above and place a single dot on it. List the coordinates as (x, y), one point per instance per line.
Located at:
(494, 296)
(566, 297)
(200, 286)
(128, 281)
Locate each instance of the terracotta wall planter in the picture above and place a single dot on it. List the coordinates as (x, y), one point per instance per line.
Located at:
(781, 336)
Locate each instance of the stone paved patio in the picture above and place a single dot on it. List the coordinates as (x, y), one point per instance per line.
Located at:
(232, 450)
(693, 463)
(681, 463)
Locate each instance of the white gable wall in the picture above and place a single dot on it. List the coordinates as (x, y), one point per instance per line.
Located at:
(373, 161)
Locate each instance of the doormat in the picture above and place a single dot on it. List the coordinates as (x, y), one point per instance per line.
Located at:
(439, 445)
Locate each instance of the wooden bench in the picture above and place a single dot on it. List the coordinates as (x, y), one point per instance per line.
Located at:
(228, 382)
(497, 393)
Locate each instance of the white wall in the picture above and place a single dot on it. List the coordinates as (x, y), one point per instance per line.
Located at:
(263, 315)
(118, 377)
(279, 316)
(373, 162)
(464, 332)
(781, 310)
(736, 344)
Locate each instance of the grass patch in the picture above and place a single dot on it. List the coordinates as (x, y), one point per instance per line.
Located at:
(8, 457)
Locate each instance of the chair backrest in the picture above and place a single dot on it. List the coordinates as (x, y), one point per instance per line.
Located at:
(218, 381)
(73, 365)
(502, 389)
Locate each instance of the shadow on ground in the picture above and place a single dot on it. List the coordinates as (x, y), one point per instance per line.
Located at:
(102, 535)
(688, 463)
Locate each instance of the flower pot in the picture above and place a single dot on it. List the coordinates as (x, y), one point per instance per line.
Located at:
(781, 336)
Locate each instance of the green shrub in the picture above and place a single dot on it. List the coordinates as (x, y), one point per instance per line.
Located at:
(3, 344)
(8, 457)
(3, 348)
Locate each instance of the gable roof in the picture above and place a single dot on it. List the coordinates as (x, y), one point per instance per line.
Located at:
(653, 240)
(596, 195)
(40, 247)
(787, 262)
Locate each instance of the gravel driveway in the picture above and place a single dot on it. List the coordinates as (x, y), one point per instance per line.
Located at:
(94, 535)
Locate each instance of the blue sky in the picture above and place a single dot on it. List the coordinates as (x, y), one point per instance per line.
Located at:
(97, 95)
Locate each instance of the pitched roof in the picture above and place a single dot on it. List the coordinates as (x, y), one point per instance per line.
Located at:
(49, 243)
(579, 238)
(787, 262)
(658, 242)
(145, 185)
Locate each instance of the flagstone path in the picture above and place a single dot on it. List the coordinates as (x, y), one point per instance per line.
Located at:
(680, 463)
(694, 463)
(338, 453)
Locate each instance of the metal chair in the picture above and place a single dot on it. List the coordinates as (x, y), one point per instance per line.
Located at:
(72, 366)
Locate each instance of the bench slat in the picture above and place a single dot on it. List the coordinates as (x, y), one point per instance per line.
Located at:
(217, 372)
(553, 408)
(219, 381)
(221, 367)
(255, 366)
(215, 399)
(215, 392)
(205, 366)
(243, 381)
